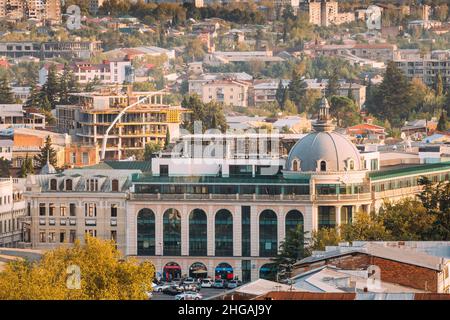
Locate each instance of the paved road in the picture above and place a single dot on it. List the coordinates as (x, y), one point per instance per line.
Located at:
(205, 292)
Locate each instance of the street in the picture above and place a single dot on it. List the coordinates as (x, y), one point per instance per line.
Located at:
(205, 292)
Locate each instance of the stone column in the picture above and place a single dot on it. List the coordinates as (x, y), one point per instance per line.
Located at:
(131, 230)
(254, 232)
(184, 231)
(281, 217)
(338, 216)
(237, 232)
(159, 231)
(211, 231)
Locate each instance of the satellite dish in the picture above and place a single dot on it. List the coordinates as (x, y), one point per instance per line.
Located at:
(373, 18)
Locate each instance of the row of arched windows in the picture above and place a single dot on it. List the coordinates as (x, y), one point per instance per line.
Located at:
(198, 230)
(91, 185)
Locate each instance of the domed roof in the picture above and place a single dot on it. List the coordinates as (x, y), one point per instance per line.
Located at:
(333, 148)
(48, 169)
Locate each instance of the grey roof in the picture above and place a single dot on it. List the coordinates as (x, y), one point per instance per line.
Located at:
(332, 147)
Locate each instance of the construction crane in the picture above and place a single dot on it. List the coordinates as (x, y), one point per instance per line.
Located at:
(105, 136)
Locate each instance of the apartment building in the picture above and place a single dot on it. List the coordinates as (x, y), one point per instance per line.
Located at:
(44, 50)
(12, 210)
(425, 67)
(326, 12)
(107, 72)
(42, 10)
(374, 51)
(228, 92)
(94, 112)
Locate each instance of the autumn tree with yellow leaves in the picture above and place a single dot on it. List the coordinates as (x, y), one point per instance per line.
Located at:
(103, 274)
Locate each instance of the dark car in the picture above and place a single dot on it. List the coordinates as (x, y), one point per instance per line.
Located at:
(220, 284)
(173, 290)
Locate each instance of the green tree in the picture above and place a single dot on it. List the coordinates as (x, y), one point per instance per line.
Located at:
(406, 219)
(290, 107)
(293, 248)
(443, 121)
(333, 85)
(5, 167)
(364, 228)
(26, 167)
(393, 98)
(6, 95)
(210, 114)
(51, 87)
(279, 95)
(439, 85)
(104, 275)
(297, 88)
(345, 111)
(151, 149)
(167, 138)
(67, 84)
(46, 151)
(324, 237)
(435, 197)
(34, 97)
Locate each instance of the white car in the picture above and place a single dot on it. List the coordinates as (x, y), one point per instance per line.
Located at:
(149, 295)
(207, 283)
(188, 295)
(161, 287)
(189, 281)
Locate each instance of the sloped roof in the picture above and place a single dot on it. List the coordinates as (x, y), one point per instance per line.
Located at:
(144, 166)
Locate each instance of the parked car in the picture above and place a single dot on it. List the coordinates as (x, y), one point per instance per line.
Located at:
(149, 295)
(207, 283)
(173, 290)
(188, 295)
(161, 287)
(233, 284)
(189, 287)
(189, 281)
(220, 284)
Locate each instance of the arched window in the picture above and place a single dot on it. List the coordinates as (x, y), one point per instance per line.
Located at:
(351, 164)
(294, 218)
(295, 165)
(146, 233)
(115, 185)
(323, 165)
(268, 271)
(268, 234)
(172, 232)
(68, 184)
(224, 233)
(53, 184)
(198, 242)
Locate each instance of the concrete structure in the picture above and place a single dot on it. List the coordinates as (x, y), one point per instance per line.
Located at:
(222, 206)
(43, 50)
(326, 12)
(12, 210)
(223, 57)
(93, 112)
(228, 92)
(425, 67)
(374, 51)
(42, 10)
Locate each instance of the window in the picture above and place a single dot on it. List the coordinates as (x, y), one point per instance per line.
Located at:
(72, 209)
(295, 165)
(73, 157)
(42, 236)
(69, 184)
(42, 209)
(113, 210)
(351, 164)
(115, 185)
(323, 166)
(62, 237)
(52, 236)
(51, 209)
(63, 211)
(90, 210)
(53, 184)
(72, 236)
(114, 235)
(85, 158)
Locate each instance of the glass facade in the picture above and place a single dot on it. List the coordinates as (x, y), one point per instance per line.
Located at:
(268, 271)
(327, 217)
(224, 233)
(268, 238)
(245, 217)
(146, 233)
(293, 219)
(172, 232)
(197, 233)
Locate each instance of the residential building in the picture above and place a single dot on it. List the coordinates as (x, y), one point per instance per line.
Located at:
(218, 58)
(358, 91)
(94, 112)
(94, 5)
(42, 10)
(12, 209)
(229, 92)
(225, 205)
(6, 149)
(425, 67)
(14, 116)
(373, 51)
(44, 50)
(326, 13)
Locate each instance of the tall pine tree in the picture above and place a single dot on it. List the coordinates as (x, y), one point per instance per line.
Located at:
(6, 95)
(46, 150)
